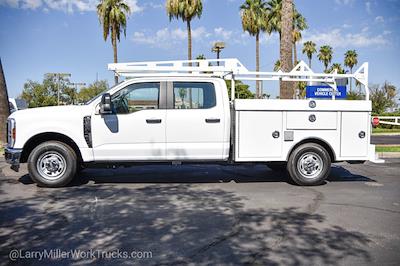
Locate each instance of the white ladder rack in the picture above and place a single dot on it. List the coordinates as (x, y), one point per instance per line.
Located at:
(233, 69)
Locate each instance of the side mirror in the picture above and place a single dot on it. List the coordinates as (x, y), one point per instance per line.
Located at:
(105, 105)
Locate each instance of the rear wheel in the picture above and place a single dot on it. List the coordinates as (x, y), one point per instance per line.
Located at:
(309, 164)
(52, 164)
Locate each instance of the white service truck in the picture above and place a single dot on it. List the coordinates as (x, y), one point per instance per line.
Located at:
(180, 111)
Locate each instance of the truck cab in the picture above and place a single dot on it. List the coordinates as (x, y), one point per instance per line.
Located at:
(158, 119)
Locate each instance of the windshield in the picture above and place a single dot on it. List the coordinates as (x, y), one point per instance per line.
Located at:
(101, 93)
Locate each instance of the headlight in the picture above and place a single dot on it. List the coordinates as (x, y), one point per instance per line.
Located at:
(11, 132)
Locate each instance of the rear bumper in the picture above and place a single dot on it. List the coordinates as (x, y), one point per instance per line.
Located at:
(12, 157)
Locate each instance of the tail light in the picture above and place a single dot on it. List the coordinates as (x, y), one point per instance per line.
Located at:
(375, 121)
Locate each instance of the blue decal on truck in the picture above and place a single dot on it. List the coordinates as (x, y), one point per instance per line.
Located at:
(325, 91)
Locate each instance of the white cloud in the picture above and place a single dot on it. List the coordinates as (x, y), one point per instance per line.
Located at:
(368, 7)
(133, 4)
(11, 3)
(200, 33)
(266, 39)
(154, 5)
(31, 4)
(379, 19)
(222, 34)
(344, 2)
(167, 38)
(63, 5)
(336, 38)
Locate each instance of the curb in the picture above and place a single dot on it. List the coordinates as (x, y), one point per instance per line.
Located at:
(387, 155)
(386, 134)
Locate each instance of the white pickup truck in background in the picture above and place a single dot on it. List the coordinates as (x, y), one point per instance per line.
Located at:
(180, 111)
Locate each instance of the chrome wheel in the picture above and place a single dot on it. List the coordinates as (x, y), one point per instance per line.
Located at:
(310, 165)
(51, 165)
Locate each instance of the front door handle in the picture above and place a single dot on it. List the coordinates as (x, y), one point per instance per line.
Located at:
(153, 121)
(213, 120)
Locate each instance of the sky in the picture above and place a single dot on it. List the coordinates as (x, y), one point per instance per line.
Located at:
(41, 36)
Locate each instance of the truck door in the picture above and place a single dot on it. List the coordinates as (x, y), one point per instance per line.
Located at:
(354, 134)
(136, 128)
(195, 121)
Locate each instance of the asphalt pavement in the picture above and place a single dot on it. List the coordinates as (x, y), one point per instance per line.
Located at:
(385, 139)
(205, 214)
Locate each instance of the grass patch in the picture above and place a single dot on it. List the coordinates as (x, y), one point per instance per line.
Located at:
(385, 130)
(387, 148)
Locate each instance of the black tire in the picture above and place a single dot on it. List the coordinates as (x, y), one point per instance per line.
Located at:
(303, 166)
(277, 166)
(52, 164)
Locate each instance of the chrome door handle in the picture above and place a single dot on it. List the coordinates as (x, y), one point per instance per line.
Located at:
(213, 120)
(153, 121)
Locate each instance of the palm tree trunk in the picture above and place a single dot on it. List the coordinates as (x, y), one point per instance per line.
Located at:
(258, 64)
(351, 72)
(189, 33)
(189, 30)
(4, 108)
(309, 62)
(295, 84)
(114, 44)
(286, 47)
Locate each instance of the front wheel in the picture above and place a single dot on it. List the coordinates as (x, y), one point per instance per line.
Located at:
(309, 164)
(52, 164)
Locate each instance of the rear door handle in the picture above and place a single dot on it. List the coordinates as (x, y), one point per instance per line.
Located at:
(153, 121)
(213, 120)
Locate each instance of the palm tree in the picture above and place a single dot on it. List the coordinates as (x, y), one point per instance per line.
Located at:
(350, 60)
(255, 20)
(201, 57)
(112, 15)
(309, 49)
(185, 10)
(338, 67)
(299, 24)
(286, 47)
(277, 65)
(4, 108)
(275, 9)
(274, 15)
(325, 55)
(182, 95)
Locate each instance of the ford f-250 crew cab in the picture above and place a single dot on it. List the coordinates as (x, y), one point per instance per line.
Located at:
(180, 111)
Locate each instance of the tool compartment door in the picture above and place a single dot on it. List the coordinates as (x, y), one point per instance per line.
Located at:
(311, 120)
(256, 137)
(354, 127)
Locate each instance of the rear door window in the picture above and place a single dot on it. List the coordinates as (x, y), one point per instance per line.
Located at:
(194, 95)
